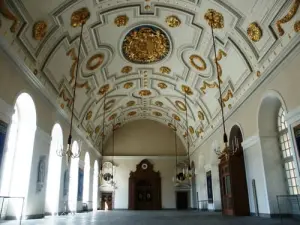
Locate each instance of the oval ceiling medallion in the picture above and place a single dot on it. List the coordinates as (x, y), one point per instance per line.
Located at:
(145, 44)
(39, 30)
(159, 104)
(173, 21)
(165, 70)
(157, 114)
(95, 61)
(128, 85)
(172, 126)
(176, 117)
(103, 89)
(97, 129)
(200, 115)
(89, 115)
(109, 104)
(186, 89)
(126, 69)
(162, 85)
(144, 93)
(132, 113)
(130, 103)
(254, 32)
(180, 105)
(112, 117)
(195, 65)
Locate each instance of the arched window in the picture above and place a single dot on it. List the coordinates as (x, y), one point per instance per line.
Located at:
(86, 178)
(95, 186)
(288, 160)
(73, 182)
(54, 171)
(18, 154)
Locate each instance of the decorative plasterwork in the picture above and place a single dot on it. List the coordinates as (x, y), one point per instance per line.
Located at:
(39, 30)
(121, 20)
(80, 17)
(254, 32)
(214, 19)
(173, 21)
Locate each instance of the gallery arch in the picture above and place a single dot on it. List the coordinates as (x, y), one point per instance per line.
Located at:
(95, 185)
(86, 179)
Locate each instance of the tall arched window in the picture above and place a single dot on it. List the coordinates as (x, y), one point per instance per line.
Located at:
(18, 155)
(86, 178)
(73, 182)
(95, 186)
(54, 171)
(288, 160)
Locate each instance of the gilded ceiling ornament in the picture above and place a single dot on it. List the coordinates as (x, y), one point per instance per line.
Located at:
(112, 117)
(109, 104)
(180, 105)
(165, 70)
(145, 93)
(176, 117)
(89, 115)
(258, 73)
(97, 129)
(254, 32)
(62, 105)
(63, 95)
(228, 96)
(95, 61)
(103, 89)
(132, 113)
(159, 104)
(121, 20)
(220, 55)
(5, 11)
(130, 103)
(126, 69)
(196, 66)
(128, 85)
(172, 126)
(200, 131)
(39, 30)
(157, 114)
(79, 17)
(208, 85)
(147, 7)
(292, 12)
(186, 89)
(173, 21)
(214, 19)
(201, 115)
(297, 26)
(145, 44)
(191, 129)
(162, 85)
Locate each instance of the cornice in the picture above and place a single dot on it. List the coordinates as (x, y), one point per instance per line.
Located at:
(250, 141)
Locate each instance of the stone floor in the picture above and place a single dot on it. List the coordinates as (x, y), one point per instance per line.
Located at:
(153, 217)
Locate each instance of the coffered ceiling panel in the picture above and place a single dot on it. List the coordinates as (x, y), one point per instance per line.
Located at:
(146, 55)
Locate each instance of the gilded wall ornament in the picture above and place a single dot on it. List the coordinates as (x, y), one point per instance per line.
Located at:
(145, 93)
(89, 115)
(195, 65)
(128, 85)
(162, 85)
(39, 30)
(180, 105)
(5, 11)
(132, 113)
(208, 85)
(292, 12)
(159, 104)
(126, 69)
(254, 32)
(191, 129)
(176, 117)
(186, 89)
(228, 96)
(297, 26)
(165, 70)
(103, 89)
(173, 21)
(172, 126)
(112, 117)
(67, 99)
(145, 44)
(79, 17)
(95, 61)
(109, 104)
(130, 103)
(201, 115)
(214, 19)
(157, 113)
(97, 129)
(121, 20)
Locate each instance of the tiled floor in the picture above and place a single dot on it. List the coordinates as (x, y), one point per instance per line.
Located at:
(152, 217)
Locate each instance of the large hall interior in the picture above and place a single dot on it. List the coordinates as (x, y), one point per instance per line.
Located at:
(149, 111)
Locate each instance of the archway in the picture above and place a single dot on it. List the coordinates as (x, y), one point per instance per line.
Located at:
(18, 155)
(73, 180)
(95, 186)
(54, 171)
(86, 179)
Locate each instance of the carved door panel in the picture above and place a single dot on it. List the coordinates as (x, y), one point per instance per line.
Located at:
(226, 192)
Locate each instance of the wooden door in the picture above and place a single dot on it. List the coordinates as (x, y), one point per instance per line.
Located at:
(182, 200)
(144, 196)
(226, 193)
(106, 201)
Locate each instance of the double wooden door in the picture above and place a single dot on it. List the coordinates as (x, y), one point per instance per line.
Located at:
(106, 201)
(226, 193)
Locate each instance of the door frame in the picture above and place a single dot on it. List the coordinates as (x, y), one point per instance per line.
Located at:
(188, 198)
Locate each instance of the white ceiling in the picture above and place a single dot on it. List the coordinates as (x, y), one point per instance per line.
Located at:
(241, 61)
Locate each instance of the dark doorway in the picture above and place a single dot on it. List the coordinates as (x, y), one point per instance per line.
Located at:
(182, 200)
(106, 201)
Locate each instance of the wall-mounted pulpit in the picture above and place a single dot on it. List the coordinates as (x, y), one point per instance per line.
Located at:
(233, 184)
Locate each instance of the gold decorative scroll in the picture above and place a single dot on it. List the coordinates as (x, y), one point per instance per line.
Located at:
(91, 64)
(79, 17)
(176, 117)
(180, 105)
(89, 115)
(191, 130)
(228, 96)
(292, 12)
(128, 85)
(109, 104)
(220, 55)
(39, 30)
(172, 126)
(65, 98)
(173, 21)
(297, 26)
(208, 85)
(214, 19)
(164, 70)
(186, 89)
(201, 115)
(74, 57)
(199, 58)
(145, 93)
(103, 89)
(121, 20)
(254, 32)
(9, 15)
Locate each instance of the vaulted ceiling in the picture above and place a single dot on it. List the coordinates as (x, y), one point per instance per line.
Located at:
(147, 54)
